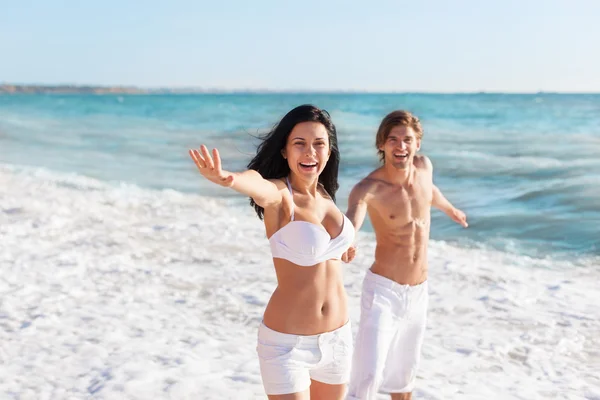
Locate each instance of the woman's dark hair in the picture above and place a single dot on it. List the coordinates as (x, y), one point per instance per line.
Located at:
(269, 161)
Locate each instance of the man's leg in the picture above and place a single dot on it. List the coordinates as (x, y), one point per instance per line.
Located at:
(405, 350)
(375, 333)
(402, 396)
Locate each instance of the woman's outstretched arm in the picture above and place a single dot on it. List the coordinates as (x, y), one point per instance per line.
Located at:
(265, 193)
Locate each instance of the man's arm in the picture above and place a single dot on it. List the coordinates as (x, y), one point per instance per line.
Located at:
(357, 204)
(357, 210)
(439, 201)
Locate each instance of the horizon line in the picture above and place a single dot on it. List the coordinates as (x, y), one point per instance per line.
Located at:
(136, 89)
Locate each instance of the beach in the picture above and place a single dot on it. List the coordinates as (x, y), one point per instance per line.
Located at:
(119, 292)
(126, 277)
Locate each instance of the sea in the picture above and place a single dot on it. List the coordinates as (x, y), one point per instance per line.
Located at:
(125, 275)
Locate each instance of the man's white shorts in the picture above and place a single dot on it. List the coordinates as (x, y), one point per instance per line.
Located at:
(390, 335)
(288, 362)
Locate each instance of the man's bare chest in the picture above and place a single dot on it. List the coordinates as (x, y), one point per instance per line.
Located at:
(401, 206)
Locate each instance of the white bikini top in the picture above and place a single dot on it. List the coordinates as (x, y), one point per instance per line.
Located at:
(307, 244)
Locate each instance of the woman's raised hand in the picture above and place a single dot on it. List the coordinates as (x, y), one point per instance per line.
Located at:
(210, 167)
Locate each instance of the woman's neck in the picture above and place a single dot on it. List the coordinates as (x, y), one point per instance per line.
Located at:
(304, 186)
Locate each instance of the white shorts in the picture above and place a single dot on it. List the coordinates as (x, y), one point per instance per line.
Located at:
(288, 362)
(389, 339)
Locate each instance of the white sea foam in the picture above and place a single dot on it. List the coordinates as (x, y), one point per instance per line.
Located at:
(115, 292)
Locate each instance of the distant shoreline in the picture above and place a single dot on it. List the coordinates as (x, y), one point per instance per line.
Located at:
(134, 90)
(83, 89)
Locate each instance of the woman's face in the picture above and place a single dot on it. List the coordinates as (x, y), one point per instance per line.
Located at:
(307, 149)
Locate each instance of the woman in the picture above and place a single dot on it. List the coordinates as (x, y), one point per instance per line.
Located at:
(305, 341)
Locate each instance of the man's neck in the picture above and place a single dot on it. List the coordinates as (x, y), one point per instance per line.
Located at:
(401, 177)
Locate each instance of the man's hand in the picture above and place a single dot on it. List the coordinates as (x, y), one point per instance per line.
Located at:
(459, 217)
(349, 255)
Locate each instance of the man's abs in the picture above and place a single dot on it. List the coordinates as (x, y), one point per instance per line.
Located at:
(403, 260)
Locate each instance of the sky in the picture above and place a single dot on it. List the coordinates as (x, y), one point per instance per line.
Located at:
(378, 46)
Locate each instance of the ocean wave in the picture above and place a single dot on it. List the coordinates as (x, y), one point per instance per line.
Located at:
(518, 161)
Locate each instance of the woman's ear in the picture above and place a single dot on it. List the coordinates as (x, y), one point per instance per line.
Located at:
(283, 154)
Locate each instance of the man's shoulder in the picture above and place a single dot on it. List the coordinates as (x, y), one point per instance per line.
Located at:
(421, 161)
(371, 181)
(373, 186)
(368, 185)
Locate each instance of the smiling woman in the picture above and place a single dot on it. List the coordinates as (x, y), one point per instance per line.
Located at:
(289, 137)
(305, 340)
(309, 147)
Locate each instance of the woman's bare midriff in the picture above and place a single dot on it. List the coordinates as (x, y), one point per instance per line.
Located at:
(307, 300)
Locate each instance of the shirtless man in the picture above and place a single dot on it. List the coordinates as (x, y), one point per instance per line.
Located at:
(398, 197)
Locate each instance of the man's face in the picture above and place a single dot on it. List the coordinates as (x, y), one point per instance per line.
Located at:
(401, 146)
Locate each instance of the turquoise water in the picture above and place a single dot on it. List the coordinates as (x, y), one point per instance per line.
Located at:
(525, 168)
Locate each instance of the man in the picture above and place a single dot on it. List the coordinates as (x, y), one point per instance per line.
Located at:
(398, 197)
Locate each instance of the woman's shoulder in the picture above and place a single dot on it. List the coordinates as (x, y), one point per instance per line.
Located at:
(323, 191)
(274, 215)
(279, 182)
